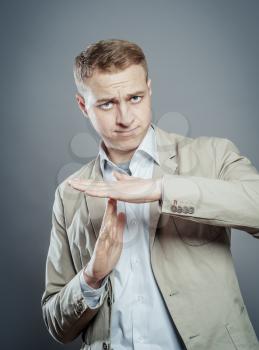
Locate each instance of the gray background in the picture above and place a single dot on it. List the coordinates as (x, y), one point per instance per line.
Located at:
(203, 58)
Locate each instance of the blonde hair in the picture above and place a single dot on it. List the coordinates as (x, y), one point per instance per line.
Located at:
(109, 55)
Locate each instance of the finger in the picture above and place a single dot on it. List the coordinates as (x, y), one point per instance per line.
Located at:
(110, 214)
(120, 176)
(94, 189)
(121, 221)
(80, 185)
(111, 206)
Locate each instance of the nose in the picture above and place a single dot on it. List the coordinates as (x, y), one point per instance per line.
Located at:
(123, 115)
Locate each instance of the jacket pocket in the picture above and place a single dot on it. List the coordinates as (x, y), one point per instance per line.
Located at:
(231, 335)
(197, 234)
(244, 338)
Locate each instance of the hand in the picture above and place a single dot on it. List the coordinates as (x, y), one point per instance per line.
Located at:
(127, 188)
(108, 246)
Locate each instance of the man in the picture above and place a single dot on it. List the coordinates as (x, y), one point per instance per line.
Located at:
(139, 255)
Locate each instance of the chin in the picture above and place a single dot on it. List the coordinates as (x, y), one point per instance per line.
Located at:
(128, 145)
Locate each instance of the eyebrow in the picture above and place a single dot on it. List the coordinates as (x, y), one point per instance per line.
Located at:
(105, 99)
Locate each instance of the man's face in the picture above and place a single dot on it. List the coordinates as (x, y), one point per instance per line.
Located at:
(119, 108)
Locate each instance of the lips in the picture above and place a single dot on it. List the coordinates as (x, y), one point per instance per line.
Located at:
(128, 132)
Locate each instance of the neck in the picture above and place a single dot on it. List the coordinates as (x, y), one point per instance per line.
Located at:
(120, 157)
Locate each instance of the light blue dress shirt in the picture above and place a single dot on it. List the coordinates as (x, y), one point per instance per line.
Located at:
(140, 319)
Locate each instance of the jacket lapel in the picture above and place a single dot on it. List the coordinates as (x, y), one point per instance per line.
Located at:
(166, 149)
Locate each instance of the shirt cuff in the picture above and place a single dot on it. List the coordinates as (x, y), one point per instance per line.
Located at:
(93, 297)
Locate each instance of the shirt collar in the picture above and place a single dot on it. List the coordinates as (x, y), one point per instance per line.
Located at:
(147, 146)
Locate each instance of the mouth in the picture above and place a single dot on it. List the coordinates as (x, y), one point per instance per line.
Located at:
(127, 133)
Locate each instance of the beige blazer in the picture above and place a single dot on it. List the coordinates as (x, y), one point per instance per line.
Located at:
(208, 187)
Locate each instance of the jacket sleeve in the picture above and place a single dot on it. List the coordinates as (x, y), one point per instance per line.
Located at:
(230, 199)
(65, 310)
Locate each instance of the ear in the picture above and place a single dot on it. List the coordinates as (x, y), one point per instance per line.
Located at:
(81, 104)
(149, 86)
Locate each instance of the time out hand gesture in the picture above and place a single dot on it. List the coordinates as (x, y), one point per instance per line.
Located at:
(108, 246)
(127, 188)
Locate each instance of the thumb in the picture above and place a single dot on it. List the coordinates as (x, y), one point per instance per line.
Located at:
(120, 176)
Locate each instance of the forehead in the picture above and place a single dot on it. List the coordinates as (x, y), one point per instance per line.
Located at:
(133, 77)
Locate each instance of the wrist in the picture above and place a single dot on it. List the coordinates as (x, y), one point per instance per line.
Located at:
(93, 282)
(159, 184)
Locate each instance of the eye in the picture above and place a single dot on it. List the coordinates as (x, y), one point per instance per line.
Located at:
(136, 99)
(106, 105)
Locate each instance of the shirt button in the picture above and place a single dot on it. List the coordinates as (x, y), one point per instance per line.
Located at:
(140, 339)
(135, 261)
(133, 222)
(140, 298)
